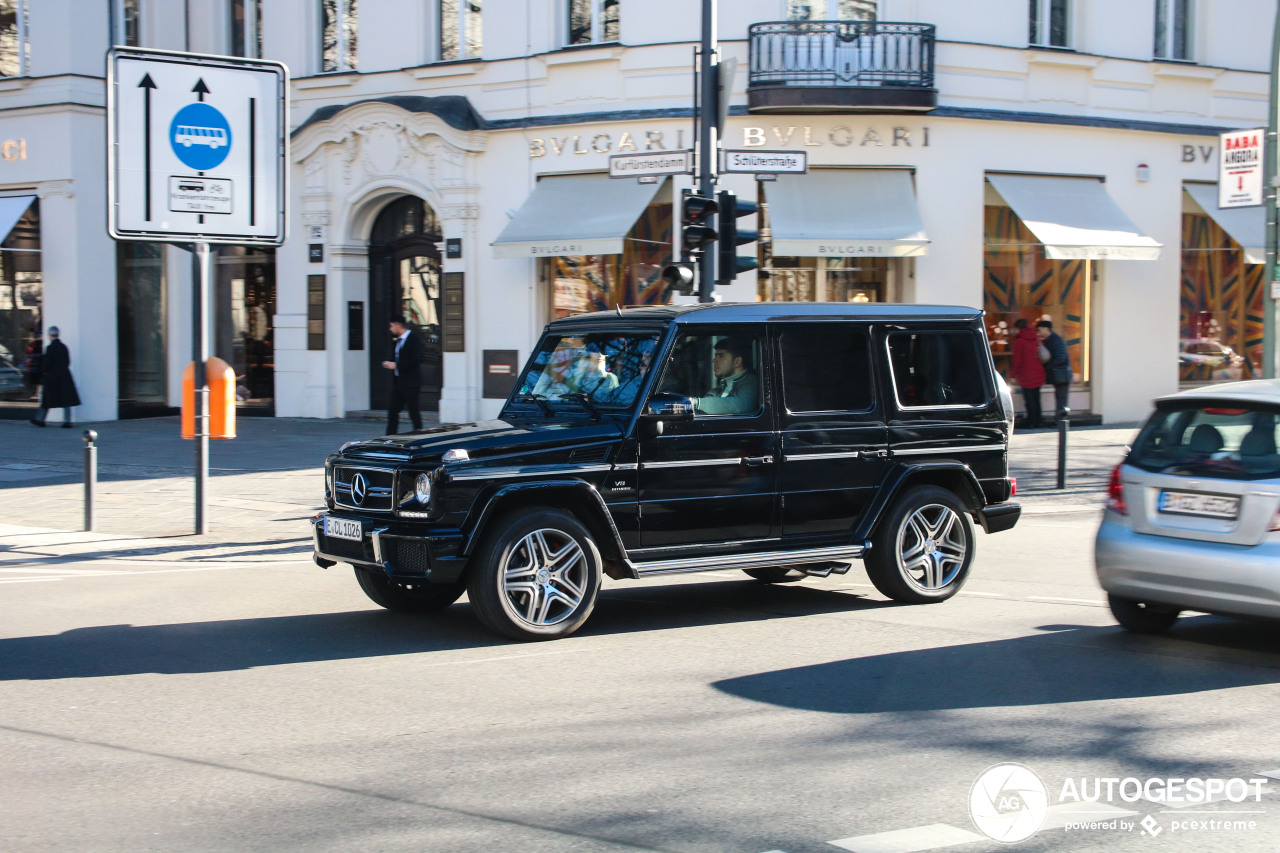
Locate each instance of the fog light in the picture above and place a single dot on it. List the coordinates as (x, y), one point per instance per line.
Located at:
(422, 488)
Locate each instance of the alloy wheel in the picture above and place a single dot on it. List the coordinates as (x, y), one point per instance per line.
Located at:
(932, 547)
(545, 578)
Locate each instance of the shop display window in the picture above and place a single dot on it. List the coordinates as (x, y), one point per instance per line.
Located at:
(21, 317)
(825, 280)
(1220, 306)
(604, 282)
(244, 305)
(1019, 282)
(141, 322)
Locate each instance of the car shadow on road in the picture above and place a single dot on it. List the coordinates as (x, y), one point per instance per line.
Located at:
(236, 644)
(1063, 664)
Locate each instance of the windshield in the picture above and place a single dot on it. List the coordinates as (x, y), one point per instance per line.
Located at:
(609, 368)
(1225, 442)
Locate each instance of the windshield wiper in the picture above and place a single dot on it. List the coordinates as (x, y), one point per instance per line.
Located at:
(540, 400)
(579, 397)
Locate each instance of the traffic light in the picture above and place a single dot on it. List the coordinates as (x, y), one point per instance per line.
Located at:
(679, 277)
(730, 263)
(697, 216)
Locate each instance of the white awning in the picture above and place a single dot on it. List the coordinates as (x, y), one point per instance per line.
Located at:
(1075, 218)
(575, 215)
(11, 210)
(1246, 225)
(845, 213)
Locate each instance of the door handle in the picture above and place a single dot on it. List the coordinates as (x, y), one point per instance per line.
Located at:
(876, 454)
(757, 461)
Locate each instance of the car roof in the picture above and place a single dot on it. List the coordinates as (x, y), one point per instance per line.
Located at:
(1247, 391)
(760, 312)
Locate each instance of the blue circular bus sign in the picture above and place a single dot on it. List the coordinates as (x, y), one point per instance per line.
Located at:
(200, 136)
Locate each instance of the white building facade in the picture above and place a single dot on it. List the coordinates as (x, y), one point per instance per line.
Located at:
(1040, 159)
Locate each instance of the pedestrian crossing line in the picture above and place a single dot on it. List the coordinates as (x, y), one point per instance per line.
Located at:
(931, 837)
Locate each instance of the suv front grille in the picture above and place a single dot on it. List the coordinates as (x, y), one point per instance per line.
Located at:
(336, 547)
(368, 489)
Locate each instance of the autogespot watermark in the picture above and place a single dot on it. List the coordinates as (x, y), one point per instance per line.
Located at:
(1009, 803)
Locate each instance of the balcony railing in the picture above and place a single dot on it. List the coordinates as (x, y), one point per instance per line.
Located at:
(841, 65)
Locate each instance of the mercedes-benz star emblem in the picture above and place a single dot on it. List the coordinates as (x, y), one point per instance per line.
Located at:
(359, 489)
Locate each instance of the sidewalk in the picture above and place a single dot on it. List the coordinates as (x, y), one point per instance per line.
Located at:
(266, 484)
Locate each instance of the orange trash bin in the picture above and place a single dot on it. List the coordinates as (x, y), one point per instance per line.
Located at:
(222, 399)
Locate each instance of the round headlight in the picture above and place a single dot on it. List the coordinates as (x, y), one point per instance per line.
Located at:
(422, 488)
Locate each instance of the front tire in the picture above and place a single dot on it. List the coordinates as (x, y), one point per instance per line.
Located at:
(421, 598)
(535, 576)
(923, 549)
(1142, 617)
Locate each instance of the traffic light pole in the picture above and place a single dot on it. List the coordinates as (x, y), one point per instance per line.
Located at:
(1271, 152)
(705, 113)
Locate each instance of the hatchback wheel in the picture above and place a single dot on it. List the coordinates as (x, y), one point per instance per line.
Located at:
(1142, 617)
(420, 598)
(922, 551)
(536, 575)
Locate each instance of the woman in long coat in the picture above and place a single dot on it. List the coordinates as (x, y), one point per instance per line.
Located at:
(59, 391)
(1027, 370)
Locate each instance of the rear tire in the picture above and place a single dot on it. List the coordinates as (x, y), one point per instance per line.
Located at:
(536, 575)
(922, 551)
(776, 574)
(1142, 617)
(422, 598)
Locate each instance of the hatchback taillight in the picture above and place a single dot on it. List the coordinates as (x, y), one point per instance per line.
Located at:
(1275, 522)
(1115, 493)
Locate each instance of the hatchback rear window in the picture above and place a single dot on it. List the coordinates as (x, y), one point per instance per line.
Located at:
(1226, 441)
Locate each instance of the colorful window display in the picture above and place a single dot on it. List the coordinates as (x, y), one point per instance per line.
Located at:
(604, 282)
(1220, 306)
(1020, 282)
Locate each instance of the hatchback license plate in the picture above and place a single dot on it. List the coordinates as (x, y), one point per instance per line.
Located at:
(1209, 506)
(342, 528)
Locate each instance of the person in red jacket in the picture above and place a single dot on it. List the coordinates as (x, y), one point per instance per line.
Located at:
(1028, 370)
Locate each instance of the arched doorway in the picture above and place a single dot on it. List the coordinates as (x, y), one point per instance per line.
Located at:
(404, 278)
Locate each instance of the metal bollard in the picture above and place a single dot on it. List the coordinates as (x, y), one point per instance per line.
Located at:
(90, 475)
(1063, 424)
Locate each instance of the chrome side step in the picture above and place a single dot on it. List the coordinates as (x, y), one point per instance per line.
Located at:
(747, 561)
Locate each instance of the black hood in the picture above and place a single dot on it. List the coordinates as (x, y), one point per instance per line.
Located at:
(488, 438)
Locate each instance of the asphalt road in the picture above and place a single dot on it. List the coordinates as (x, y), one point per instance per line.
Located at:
(270, 707)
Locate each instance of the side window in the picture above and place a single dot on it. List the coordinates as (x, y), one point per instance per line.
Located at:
(936, 369)
(826, 368)
(719, 371)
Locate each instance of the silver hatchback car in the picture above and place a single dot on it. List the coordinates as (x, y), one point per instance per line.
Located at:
(1193, 512)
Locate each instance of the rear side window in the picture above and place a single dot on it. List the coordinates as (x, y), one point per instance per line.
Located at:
(826, 367)
(932, 369)
(1225, 442)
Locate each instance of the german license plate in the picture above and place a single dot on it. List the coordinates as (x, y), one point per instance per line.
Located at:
(1190, 503)
(342, 528)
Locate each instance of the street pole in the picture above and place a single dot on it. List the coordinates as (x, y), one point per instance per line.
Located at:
(706, 112)
(1269, 172)
(202, 272)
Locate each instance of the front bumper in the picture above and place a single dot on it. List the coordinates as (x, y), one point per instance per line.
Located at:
(399, 549)
(1212, 577)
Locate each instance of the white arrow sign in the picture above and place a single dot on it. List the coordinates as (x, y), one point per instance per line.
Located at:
(197, 148)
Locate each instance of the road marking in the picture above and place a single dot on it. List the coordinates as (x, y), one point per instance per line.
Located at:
(1047, 599)
(166, 568)
(930, 837)
(1270, 774)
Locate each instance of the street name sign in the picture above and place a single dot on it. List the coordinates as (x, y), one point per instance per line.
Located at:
(765, 162)
(656, 163)
(1240, 168)
(196, 148)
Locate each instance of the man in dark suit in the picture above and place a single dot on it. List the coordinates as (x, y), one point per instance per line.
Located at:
(406, 381)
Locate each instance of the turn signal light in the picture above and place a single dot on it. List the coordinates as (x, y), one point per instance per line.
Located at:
(1013, 486)
(1115, 493)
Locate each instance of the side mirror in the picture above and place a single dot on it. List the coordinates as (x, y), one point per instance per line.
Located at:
(666, 406)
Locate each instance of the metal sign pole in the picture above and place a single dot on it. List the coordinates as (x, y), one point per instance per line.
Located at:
(199, 355)
(1269, 159)
(707, 112)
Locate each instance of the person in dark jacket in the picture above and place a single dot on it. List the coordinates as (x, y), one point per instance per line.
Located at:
(1027, 370)
(406, 382)
(59, 391)
(1058, 368)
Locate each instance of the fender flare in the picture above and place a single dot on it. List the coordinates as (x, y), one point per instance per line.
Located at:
(494, 502)
(900, 480)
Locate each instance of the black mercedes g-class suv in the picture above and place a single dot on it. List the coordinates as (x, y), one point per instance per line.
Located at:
(783, 439)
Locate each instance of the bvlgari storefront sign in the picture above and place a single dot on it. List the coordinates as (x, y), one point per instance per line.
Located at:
(802, 136)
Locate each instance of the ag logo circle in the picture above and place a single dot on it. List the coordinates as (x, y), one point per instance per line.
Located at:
(200, 136)
(1008, 802)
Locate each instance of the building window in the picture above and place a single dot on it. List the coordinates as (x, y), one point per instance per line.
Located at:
(1049, 23)
(831, 10)
(21, 316)
(605, 282)
(593, 21)
(246, 28)
(140, 328)
(14, 44)
(461, 29)
(1173, 29)
(244, 303)
(126, 22)
(338, 35)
